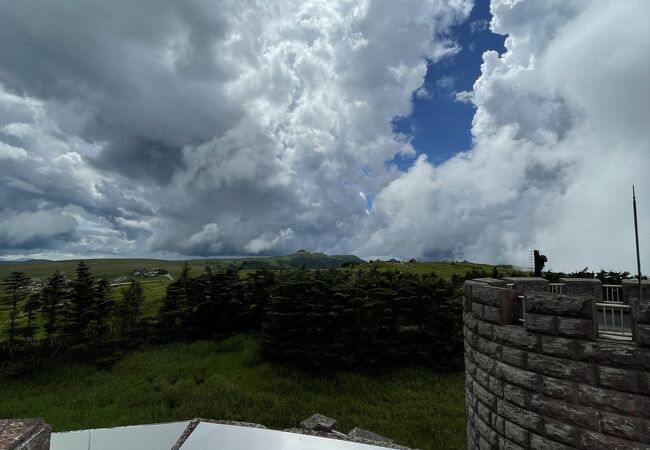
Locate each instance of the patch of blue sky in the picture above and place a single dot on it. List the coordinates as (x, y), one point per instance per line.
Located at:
(440, 124)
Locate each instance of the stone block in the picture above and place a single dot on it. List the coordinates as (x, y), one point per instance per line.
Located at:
(642, 310)
(577, 328)
(485, 396)
(632, 428)
(488, 347)
(522, 417)
(519, 377)
(24, 434)
(517, 395)
(491, 281)
(513, 356)
(598, 441)
(562, 389)
(583, 286)
(471, 444)
(631, 290)
(485, 430)
(483, 444)
(470, 321)
(496, 386)
(516, 433)
(562, 432)
(484, 412)
(366, 435)
(477, 310)
(468, 287)
(643, 382)
(558, 346)
(492, 314)
(487, 295)
(566, 412)
(619, 354)
(498, 423)
(619, 379)
(506, 444)
(541, 323)
(561, 368)
(469, 335)
(482, 377)
(560, 305)
(615, 401)
(642, 337)
(528, 284)
(538, 442)
(516, 336)
(485, 363)
(318, 422)
(485, 329)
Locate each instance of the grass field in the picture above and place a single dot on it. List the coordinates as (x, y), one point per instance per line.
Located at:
(415, 407)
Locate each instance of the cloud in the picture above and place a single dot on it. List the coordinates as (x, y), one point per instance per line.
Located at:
(252, 127)
(265, 242)
(560, 134)
(201, 130)
(40, 228)
(477, 26)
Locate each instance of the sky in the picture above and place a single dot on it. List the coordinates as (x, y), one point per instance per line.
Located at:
(428, 129)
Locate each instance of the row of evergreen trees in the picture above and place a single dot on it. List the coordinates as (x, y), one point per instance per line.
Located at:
(317, 318)
(75, 309)
(324, 318)
(605, 276)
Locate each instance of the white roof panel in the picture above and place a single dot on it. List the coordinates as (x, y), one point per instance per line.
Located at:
(213, 436)
(161, 436)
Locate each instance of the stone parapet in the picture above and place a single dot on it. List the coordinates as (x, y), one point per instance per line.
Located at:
(551, 383)
(24, 434)
(583, 286)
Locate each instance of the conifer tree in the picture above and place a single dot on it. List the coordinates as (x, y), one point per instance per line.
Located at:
(79, 307)
(29, 308)
(129, 309)
(54, 294)
(103, 305)
(173, 312)
(15, 286)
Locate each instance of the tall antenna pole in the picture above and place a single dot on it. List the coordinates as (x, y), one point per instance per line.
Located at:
(636, 236)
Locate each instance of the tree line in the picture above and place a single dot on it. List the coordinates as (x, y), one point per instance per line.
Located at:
(73, 308)
(316, 318)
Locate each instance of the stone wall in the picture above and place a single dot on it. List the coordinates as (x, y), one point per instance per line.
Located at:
(24, 434)
(552, 383)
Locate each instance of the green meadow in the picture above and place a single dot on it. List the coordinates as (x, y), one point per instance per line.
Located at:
(226, 380)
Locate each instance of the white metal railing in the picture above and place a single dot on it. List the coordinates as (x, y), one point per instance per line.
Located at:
(613, 293)
(556, 288)
(616, 320)
(510, 286)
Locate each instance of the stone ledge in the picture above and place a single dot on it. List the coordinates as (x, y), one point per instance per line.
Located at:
(24, 434)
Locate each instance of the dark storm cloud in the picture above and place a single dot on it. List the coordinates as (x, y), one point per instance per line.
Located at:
(139, 77)
(141, 159)
(40, 229)
(190, 127)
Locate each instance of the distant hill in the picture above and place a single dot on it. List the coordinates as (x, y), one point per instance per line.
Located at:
(23, 261)
(114, 268)
(308, 260)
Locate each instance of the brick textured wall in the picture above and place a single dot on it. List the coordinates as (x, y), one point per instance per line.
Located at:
(551, 384)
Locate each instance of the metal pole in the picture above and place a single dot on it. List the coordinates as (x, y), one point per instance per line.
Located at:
(636, 236)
